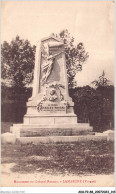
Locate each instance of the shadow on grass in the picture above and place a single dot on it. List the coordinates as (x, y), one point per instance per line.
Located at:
(76, 158)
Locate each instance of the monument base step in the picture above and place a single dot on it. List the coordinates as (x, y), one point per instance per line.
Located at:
(22, 130)
(53, 132)
(61, 139)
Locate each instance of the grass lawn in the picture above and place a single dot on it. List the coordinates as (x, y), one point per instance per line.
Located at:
(76, 158)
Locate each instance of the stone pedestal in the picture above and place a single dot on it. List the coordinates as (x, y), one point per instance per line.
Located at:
(50, 120)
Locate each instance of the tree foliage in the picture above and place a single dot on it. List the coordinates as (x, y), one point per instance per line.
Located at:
(95, 106)
(76, 56)
(17, 62)
(102, 81)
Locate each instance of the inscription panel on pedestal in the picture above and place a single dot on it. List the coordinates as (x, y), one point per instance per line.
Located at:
(49, 108)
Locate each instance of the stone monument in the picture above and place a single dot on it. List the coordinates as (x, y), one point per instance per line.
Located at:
(50, 109)
(50, 102)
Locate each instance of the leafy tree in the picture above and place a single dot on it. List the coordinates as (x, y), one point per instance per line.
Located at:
(102, 81)
(76, 56)
(17, 62)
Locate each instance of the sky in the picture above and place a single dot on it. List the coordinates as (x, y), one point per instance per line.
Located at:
(90, 22)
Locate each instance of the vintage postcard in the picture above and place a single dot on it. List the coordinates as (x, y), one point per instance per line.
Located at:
(57, 94)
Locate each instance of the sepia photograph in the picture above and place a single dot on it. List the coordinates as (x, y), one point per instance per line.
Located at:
(57, 94)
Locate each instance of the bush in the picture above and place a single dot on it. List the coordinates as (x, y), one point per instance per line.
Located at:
(13, 106)
(95, 106)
